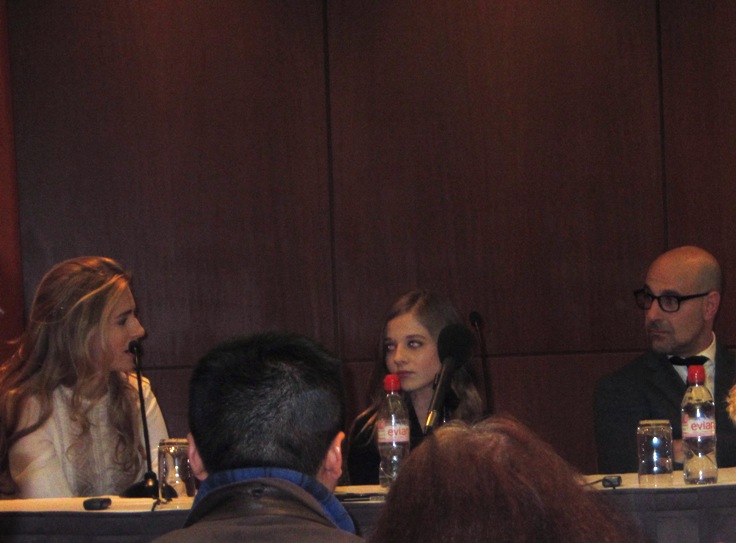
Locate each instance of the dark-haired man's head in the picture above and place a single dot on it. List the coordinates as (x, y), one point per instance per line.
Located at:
(267, 400)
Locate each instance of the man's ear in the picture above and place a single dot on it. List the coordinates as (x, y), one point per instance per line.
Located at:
(331, 468)
(712, 302)
(195, 461)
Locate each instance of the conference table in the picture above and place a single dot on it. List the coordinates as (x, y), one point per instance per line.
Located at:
(679, 513)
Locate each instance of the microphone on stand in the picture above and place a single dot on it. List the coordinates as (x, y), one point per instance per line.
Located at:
(148, 487)
(477, 322)
(454, 345)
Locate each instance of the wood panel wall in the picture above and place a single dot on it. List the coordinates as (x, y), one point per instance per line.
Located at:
(699, 79)
(267, 165)
(11, 291)
(188, 140)
(498, 148)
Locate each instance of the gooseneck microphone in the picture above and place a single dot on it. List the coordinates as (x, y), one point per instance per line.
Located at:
(476, 321)
(454, 346)
(148, 487)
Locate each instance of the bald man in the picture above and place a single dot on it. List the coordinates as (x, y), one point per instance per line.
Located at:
(680, 300)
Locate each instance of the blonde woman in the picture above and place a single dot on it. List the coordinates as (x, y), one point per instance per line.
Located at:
(70, 421)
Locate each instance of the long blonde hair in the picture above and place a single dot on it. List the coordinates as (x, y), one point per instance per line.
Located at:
(59, 348)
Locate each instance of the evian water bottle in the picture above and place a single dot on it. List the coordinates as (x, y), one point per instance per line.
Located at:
(699, 430)
(392, 431)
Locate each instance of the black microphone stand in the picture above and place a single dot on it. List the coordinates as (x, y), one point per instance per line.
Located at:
(148, 487)
(441, 384)
(477, 322)
(454, 345)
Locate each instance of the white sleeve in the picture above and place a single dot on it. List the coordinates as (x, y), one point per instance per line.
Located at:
(34, 460)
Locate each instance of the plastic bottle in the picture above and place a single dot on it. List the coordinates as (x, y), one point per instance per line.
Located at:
(699, 430)
(392, 431)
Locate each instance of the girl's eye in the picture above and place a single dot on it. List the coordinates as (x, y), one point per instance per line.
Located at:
(414, 344)
(389, 347)
(124, 318)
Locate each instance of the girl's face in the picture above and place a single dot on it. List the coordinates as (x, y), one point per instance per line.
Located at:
(411, 353)
(121, 328)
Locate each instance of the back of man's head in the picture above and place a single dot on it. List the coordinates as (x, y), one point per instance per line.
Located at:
(268, 400)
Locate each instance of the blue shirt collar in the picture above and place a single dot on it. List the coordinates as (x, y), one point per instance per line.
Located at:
(331, 506)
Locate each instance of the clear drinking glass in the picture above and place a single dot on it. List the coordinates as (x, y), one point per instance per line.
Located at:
(654, 444)
(175, 477)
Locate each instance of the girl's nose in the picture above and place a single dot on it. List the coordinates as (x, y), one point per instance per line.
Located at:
(138, 330)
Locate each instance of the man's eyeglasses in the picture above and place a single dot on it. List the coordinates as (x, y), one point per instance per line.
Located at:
(668, 303)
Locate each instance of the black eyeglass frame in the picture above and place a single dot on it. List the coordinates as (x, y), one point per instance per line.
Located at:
(645, 299)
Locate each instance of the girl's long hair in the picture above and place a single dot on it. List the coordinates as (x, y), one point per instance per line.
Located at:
(434, 313)
(60, 347)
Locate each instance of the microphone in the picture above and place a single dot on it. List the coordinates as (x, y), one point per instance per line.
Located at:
(135, 348)
(454, 346)
(148, 487)
(476, 322)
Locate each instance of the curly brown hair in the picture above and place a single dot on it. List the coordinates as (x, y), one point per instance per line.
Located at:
(58, 349)
(520, 491)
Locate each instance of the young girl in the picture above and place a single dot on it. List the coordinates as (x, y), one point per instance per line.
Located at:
(409, 349)
(70, 421)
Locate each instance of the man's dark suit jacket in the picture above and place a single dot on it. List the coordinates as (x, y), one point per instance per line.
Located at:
(650, 388)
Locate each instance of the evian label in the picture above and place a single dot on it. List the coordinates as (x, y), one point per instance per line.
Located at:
(698, 427)
(388, 433)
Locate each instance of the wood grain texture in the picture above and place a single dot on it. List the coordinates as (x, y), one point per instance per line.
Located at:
(11, 280)
(699, 81)
(187, 140)
(296, 166)
(495, 150)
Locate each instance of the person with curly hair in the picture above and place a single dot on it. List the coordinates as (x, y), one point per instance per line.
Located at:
(70, 421)
(499, 482)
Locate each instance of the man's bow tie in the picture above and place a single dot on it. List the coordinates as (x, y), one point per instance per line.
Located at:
(689, 361)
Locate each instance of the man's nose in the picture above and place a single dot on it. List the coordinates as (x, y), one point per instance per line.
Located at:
(654, 312)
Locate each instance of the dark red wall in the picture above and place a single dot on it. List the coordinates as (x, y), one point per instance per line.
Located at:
(297, 165)
(11, 289)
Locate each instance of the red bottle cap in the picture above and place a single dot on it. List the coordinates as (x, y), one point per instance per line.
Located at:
(696, 375)
(391, 383)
